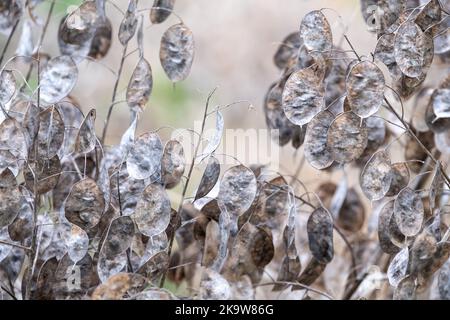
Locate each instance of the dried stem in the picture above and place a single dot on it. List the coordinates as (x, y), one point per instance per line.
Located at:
(8, 41)
(116, 84)
(183, 194)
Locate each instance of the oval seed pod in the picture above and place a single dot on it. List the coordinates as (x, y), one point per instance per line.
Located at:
(347, 137)
(119, 285)
(152, 213)
(13, 144)
(109, 267)
(101, 42)
(77, 242)
(213, 286)
(173, 164)
(84, 204)
(429, 16)
(209, 177)
(436, 186)
(50, 136)
(10, 198)
(161, 10)
(385, 219)
(58, 78)
(86, 139)
(320, 235)
(7, 86)
(144, 157)
(303, 96)
(398, 267)
(287, 50)
(177, 52)
(119, 237)
(315, 31)
(406, 289)
(45, 172)
(155, 267)
(376, 177)
(140, 85)
(128, 25)
(440, 100)
(237, 190)
(413, 50)
(400, 178)
(365, 88)
(317, 151)
(408, 212)
(444, 281)
(275, 117)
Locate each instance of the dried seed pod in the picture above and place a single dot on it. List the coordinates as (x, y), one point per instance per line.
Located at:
(7, 86)
(303, 96)
(130, 190)
(376, 137)
(400, 178)
(21, 228)
(10, 198)
(287, 50)
(86, 138)
(290, 269)
(128, 25)
(84, 204)
(77, 29)
(161, 10)
(213, 286)
(376, 177)
(13, 144)
(398, 267)
(413, 50)
(347, 137)
(315, 31)
(4, 248)
(77, 242)
(109, 267)
(385, 220)
(10, 13)
(45, 281)
(101, 42)
(365, 88)
(237, 190)
(145, 155)
(310, 274)
(177, 52)
(27, 114)
(408, 212)
(423, 250)
(140, 85)
(384, 52)
(58, 78)
(173, 164)
(317, 151)
(320, 235)
(118, 285)
(352, 214)
(50, 136)
(275, 117)
(155, 267)
(261, 247)
(119, 237)
(413, 151)
(152, 213)
(429, 16)
(421, 102)
(67, 271)
(406, 289)
(209, 177)
(45, 172)
(440, 101)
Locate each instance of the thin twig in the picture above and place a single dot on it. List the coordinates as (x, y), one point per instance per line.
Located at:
(116, 84)
(205, 114)
(8, 41)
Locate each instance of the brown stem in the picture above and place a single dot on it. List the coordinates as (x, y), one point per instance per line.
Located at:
(8, 41)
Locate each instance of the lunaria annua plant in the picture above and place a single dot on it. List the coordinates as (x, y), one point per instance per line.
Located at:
(83, 220)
